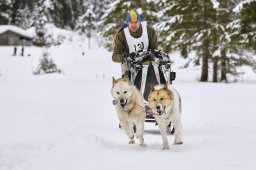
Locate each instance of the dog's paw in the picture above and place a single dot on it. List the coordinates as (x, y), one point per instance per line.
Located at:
(132, 141)
(178, 142)
(143, 145)
(165, 147)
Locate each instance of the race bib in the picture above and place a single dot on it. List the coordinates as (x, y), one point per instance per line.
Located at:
(137, 44)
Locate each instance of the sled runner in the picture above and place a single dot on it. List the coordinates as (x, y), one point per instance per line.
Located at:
(147, 69)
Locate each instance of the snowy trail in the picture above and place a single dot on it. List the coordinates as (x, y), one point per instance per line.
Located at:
(67, 121)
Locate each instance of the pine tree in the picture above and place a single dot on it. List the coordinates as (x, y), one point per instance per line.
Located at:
(5, 12)
(17, 12)
(244, 31)
(100, 7)
(24, 19)
(77, 7)
(87, 24)
(16, 15)
(41, 17)
(221, 40)
(205, 35)
(229, 53)
(62, 14)
(187, 26)
(248, 25)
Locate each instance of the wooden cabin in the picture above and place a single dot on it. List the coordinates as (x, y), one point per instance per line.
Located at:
(13, 35)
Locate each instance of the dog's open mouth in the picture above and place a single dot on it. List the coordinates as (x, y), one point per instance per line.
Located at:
(161, 111)
(122, 104)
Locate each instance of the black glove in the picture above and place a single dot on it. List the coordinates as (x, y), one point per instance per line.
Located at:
(131, 56)
(158, 55)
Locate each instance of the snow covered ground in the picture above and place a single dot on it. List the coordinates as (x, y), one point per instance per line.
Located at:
(67, 121)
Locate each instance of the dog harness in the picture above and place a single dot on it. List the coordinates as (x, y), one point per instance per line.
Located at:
(137, 44)
(115, 102)
(147, 108)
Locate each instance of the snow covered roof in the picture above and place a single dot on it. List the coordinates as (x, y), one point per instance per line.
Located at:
(20, 31)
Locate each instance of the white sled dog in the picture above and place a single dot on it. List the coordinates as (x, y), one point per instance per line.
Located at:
(165, 103)
(130, 108)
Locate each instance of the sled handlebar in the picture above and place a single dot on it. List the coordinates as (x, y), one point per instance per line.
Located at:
(140, 56)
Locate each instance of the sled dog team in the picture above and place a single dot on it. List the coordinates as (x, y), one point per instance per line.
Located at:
(165, 104)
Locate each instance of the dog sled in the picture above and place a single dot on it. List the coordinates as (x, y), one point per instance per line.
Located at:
(150, 68)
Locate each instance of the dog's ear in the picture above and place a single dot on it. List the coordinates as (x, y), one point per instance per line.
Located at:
(114, 81)
(168, 90)
(151, 89)
(165, 87)
(126, 78)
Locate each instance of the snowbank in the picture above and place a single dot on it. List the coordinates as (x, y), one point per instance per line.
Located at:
(66, 121)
